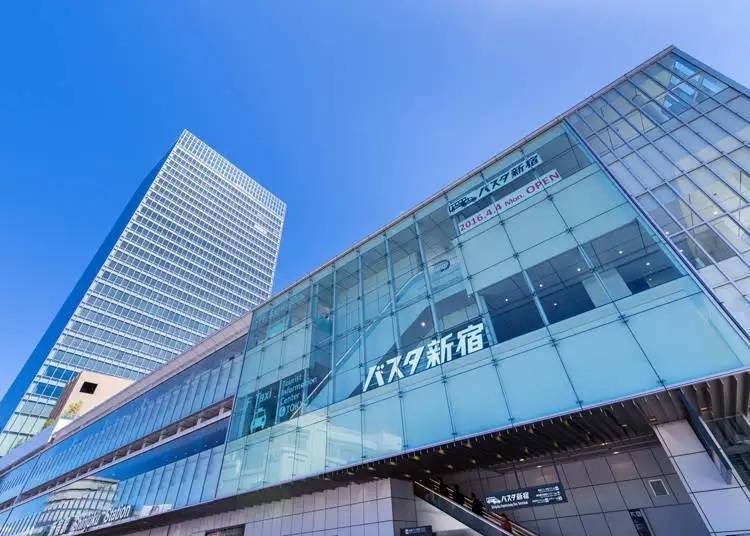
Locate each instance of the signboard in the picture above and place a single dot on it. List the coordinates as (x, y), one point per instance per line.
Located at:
(291, 391)
(425, 530)
(81, 524)
(510, 200)
(517, 170)
(526, 497)
(265, 407)
(639, 522)
(438, 351)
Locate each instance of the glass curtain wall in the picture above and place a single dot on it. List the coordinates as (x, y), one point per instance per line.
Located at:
(676, 138)
(179, 473)
(531, 289)
(201, 385)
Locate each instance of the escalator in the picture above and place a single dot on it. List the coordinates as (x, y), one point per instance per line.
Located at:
(485, 523)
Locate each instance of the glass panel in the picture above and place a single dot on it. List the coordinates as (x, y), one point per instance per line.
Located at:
(711, 243)
(406, 263)
(454, 306)
(580, 126)
(545, 392)
(717, 189)
(383, 431)
(647, 85)
(534, 225)
(322, 308)
(310, 453)
(347, 284)
(278, 318)
(697, 200)
(696, 145)
(720, 139)
(687, 247)
(639, 121)
(628, 261)
(212, 475)
(377, 292)
(626, 179)
(676, 154)
(253, 465)
(379, 339)
(666, 169)
(344, 439)
(485, 247)
(659, 73)
(625, 130)
(565, 286)
(438, 241)
(280, 464)
(733, 233)
(271, 356)
(415, 324)
(611, 139)
(512, 309)
(467, 417)
(701, 349)
(731, 123)
(741, 106)
(656, 112)
(606, 111)
(299, 306)
(679, 210)
(426, 416)
(588, 115)
(708, 84)
(641, 171)
(598, 377)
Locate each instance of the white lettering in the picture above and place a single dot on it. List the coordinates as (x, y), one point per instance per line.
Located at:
(437, 352)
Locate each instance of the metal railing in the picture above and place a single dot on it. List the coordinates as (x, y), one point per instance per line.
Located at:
(484, 522)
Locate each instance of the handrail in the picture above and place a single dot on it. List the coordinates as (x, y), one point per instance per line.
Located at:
(366, 331)
(477, 522)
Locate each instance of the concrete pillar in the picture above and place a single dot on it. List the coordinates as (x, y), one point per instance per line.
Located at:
(721, 499)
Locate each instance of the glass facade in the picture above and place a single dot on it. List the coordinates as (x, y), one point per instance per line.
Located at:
(180, 473)
(676, 138)
(534, 283)
(566, 274)
(197, 250)
(180, 470)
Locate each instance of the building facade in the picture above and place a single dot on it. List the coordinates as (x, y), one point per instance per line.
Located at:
(195, 248)
(562, 333)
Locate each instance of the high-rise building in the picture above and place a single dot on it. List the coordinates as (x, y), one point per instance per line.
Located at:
(548, 337)
(195, 248)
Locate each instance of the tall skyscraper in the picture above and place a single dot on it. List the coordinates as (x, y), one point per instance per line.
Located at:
(195, 248)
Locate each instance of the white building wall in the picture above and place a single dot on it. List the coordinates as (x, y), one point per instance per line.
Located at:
(723, 506)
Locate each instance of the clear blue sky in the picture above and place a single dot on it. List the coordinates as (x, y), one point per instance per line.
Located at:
(349, 111)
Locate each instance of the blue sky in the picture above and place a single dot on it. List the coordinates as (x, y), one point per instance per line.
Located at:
(350, 111)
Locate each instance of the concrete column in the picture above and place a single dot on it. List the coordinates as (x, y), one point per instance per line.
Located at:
(722, 501)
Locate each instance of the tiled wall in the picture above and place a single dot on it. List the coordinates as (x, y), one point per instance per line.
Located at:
(600, 490)
(724, 506)
(378, 508)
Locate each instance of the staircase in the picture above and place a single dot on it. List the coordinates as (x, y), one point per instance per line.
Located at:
(410, 290)
(485, 523)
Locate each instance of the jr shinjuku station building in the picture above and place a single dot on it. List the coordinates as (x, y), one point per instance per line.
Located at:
(562, 333)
